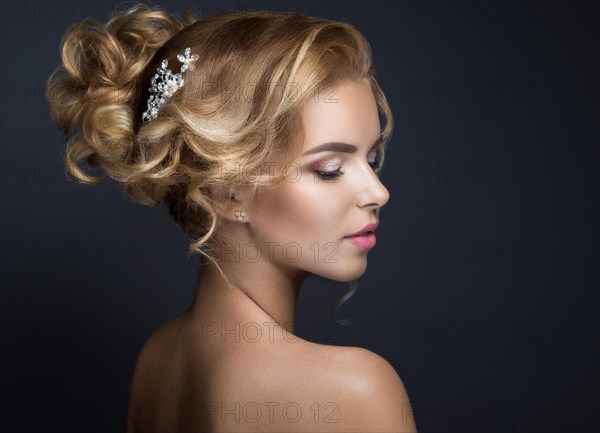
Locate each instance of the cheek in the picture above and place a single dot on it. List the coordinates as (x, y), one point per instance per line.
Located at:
(304, 212)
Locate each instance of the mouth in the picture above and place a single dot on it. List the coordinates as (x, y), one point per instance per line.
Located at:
(365, 240)
(365, 231)
(363, 234)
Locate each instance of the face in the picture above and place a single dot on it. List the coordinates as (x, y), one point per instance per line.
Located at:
(330, 193)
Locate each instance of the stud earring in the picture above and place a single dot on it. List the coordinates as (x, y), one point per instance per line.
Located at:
(240, 215)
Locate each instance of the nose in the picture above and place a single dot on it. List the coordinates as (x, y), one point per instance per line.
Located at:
(372, 192)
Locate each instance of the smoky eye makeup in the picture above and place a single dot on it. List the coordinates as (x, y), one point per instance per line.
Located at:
(327, 170)
(375, 161)
(373, 155)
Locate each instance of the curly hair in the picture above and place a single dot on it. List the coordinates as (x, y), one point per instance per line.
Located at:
(196, 145)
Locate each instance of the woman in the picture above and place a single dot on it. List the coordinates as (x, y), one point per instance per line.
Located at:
(260, 132)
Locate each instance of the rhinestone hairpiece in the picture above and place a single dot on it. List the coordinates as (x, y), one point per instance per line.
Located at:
(169, 83)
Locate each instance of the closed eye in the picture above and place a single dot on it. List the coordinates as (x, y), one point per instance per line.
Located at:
(374, 158)
(376, 163)
(329, 174)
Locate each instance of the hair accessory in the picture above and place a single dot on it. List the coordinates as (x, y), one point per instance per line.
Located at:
(240, 215)
(169, 84)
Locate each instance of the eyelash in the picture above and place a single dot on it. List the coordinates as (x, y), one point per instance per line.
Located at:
(330, 175)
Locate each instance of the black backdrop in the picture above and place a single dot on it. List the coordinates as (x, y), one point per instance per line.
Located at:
(482, 290)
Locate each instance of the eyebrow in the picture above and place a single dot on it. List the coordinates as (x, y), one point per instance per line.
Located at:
(336, 146)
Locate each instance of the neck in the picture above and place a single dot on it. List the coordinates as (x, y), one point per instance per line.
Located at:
(259, 291)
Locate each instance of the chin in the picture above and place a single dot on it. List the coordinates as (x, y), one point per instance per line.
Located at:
(344, 272)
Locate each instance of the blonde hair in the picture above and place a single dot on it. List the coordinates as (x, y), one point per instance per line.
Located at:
(199, 140)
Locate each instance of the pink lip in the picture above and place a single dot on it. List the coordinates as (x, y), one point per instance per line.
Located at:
(365, 241)
(368, 228)
(364, 238)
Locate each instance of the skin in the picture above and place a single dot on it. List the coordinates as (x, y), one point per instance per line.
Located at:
(236, 342)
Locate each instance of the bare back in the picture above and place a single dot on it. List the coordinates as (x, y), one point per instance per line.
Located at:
(243, 376)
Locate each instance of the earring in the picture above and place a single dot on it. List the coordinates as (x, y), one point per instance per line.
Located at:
(240, 215)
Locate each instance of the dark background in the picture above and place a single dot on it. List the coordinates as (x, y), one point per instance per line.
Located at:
(482, 290)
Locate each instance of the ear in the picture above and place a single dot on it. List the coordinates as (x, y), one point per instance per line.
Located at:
(229, 204)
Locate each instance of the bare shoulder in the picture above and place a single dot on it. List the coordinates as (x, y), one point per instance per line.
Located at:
(156, 353)
(313, 387)
(289, 385)
(337, 388)
(159, 343)
(374, 396)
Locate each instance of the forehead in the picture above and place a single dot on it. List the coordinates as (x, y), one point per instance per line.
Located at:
(346, 111)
